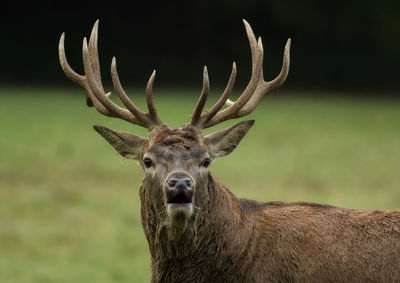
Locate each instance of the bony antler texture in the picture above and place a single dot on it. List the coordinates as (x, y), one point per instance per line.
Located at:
(95, 94)
(256, 89)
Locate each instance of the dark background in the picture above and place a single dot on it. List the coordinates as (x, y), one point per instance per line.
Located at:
(336, 45)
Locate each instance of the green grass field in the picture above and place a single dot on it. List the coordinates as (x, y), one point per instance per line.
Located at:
(69, 205)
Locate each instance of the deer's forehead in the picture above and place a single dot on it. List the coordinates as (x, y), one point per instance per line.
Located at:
(183, 144)
(177, 151)
(187, 134)
(188, 137)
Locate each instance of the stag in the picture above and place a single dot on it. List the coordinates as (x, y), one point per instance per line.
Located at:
(197, 230)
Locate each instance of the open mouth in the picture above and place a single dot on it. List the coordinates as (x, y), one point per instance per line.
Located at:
(180, 198)
(180, 206)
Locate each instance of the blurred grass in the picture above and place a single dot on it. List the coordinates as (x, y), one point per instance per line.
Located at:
(69, 206)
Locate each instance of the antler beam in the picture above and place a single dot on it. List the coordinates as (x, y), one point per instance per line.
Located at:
(254, 92)
(95, 94)
(256, 89)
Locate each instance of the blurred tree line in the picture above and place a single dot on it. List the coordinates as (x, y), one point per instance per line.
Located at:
(335, 44)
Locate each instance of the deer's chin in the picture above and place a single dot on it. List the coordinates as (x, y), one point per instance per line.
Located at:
(178, 219)
(180, 211)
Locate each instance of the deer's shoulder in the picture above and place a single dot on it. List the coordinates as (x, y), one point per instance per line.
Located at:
(249, 205)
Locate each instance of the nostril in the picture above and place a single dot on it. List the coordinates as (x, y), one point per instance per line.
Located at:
(188, 182)
(180, 183)
(179, 190)
(172, 182)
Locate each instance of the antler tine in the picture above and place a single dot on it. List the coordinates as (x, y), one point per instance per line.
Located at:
(69, 72)
(208, 114)
(231, 111)
(264, 87)
(140, 115)
(94, 54)
(79, 79)
(134, 115)
(92, 84)
(150, 102)
(202, 99)
(114, 109)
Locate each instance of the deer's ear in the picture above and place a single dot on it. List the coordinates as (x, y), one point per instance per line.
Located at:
(223, 142)
(126, 144)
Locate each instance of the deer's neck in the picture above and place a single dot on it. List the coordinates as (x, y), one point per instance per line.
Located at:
(211, 233)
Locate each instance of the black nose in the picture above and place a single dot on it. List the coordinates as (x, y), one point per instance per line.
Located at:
(180, 184)
(179, 190)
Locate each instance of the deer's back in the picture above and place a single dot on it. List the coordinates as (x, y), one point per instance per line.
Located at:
(307, 241)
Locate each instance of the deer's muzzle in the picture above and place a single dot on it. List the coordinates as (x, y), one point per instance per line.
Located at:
(179, 189)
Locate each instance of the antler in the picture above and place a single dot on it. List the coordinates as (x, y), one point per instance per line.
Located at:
(256, 89)
(95, 95)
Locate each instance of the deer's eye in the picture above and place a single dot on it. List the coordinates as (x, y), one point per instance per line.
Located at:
(206, 162)
(147, 162)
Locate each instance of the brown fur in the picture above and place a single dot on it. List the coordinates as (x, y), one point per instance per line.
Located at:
(198, 231)
(245, 241)
(228, 239)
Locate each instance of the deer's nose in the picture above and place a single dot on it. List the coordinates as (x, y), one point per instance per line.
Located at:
(179, 189)
(180, 184)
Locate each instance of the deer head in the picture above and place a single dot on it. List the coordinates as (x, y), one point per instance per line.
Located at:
(175, 161)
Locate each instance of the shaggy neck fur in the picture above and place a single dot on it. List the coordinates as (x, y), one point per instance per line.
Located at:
(207, 237)
(235, 240)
